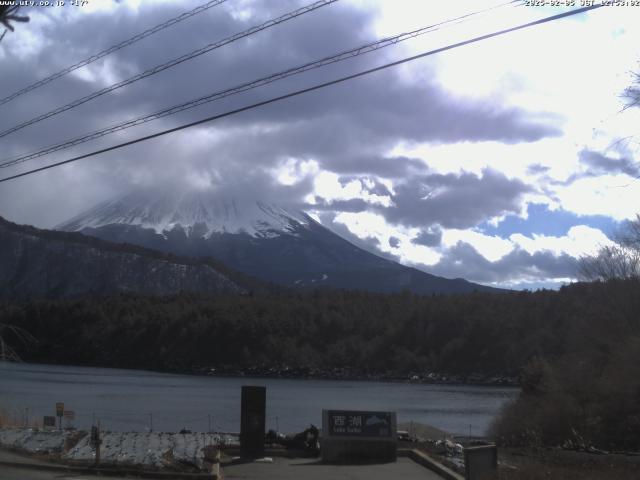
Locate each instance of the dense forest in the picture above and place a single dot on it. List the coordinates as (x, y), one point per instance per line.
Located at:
(588, 395)
(486, 333)
(576, 350)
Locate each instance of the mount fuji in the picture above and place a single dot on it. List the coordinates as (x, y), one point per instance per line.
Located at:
(272, 243)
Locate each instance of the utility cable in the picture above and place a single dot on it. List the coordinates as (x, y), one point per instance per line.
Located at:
(172, 63)
(306, 90)
(345, 55)
(112, 49)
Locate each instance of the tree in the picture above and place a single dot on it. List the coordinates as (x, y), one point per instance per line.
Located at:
(632, 92)
(619, 261)
(6, 352)
(8, 14)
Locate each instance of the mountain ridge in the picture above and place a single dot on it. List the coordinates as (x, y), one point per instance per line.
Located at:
(47, 263)
(269, 242)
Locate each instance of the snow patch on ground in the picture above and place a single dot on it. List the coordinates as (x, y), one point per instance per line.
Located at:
(32, 440)
(148, 449)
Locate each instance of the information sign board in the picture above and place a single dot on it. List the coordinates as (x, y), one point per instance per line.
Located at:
(59, 409)
(359, 424)
(354, 436)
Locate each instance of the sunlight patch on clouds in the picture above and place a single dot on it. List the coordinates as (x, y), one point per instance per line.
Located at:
(328, 186)
(291, 171)
(579, 240)
(102, 73)
(558, 156)
(370, 225)
(493, 248)
(611, 195)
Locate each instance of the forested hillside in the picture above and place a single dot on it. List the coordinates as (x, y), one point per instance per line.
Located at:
(364, 332)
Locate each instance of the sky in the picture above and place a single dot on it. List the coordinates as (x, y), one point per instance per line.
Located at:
(502, 162)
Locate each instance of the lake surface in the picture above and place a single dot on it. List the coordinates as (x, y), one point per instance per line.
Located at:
(127, 400)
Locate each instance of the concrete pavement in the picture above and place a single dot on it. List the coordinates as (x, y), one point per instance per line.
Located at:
(312, 469)
(280, 469)
(8, 473)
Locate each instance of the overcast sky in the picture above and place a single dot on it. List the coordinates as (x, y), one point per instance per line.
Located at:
(500, 162)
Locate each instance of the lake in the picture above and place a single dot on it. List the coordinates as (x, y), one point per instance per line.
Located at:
(126, 400)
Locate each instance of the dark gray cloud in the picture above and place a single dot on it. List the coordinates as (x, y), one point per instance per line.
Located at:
(536, 169)
(464, 261)
(597, 163)
(344, 128)
(455, 201)
(431, 201)
(394, 242)
(429, 237)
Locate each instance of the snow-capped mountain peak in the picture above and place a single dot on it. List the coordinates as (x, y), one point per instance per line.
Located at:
(205, 211)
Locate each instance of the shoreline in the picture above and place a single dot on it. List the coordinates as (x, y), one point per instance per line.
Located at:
(334, 374)
(429, 378)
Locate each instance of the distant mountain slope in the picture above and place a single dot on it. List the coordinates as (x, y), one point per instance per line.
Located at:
(44, 263)
(269, 242)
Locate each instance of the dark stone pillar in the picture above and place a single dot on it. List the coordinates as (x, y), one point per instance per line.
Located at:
(252, 421)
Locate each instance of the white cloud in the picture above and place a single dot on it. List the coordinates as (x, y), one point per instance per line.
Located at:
(579, 240)
(292, 170)
(328, 186)
(492, 248)
(370, 225)
(615, 196)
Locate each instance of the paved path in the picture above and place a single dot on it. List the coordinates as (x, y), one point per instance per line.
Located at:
(7, 456)
(311, 469)
(7, 473)
(11, 473)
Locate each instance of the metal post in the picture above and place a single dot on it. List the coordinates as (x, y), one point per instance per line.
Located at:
(151, 422)
(277, 425)
(98, 446)
(209, 423)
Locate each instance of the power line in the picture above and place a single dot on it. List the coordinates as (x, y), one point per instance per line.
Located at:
(306, 90)
(113, 48)
(345, 55)
(172, 63)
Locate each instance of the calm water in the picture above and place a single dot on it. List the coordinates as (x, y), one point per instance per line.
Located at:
(139, 400)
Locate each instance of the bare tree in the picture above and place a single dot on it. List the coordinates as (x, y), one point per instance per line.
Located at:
(7, 353)
(632, 92)
(620, 261)
(8, 14)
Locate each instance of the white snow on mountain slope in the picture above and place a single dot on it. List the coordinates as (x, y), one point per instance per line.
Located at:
(164, 212)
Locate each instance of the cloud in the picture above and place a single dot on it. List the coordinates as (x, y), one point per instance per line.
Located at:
(333, 151)
(430, 237)
(598, 163)
(609, 195)
(344, 129)
(455, 201)
(518, 266)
